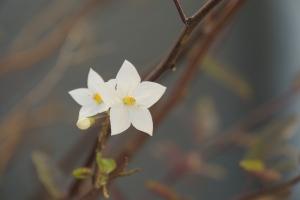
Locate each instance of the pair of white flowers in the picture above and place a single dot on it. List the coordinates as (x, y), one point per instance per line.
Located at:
(127, 97)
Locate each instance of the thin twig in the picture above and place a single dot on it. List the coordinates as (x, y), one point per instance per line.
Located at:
(124, 174)
(99, 117)
(181, 13)
(274, 189)
(170, 59)
(193, 66)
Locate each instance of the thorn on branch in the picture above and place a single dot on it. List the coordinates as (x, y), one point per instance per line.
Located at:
(123, 168)
(173, 67)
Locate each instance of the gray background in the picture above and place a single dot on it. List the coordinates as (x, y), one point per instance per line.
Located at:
(262, 45)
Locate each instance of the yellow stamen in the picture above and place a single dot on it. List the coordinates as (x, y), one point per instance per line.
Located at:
(97, 98)
(129, 100)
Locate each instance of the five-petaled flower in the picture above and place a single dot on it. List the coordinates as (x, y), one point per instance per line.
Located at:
(89, 98)
(129, 99)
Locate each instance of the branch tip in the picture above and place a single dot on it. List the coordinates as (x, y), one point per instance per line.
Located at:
(181, 13)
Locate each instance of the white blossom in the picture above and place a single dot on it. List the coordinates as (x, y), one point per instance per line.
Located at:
(90, 98)
(129, 99)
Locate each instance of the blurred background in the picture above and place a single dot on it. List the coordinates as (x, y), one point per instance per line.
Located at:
(234, 132)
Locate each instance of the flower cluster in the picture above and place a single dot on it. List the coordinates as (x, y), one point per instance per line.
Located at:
(127, 97)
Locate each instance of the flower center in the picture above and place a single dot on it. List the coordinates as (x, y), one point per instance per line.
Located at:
(129, 100)
(97, 98)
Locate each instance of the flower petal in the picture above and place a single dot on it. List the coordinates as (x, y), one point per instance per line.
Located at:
(82, 96)
(109, 94)
(88, 111)
(141, 119)
(127, 78)
(94, 79)
(119, 118)
(101, 107)
(147, 93)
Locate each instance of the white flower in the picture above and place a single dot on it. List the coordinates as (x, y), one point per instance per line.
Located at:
(130, 99)
(89, 98)
(85, 123)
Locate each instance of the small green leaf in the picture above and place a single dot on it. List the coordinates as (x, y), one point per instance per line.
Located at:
(106, 165)
(252, 164)
(82, 173)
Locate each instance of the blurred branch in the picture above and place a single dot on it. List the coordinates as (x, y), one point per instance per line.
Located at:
(226, 138)
(12, 125)
(48, 45)
(274, 189)
(9, 134)
(39, 24)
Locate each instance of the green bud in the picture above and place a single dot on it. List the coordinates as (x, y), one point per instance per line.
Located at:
(82, 173)
(252, 164)
(85, 123)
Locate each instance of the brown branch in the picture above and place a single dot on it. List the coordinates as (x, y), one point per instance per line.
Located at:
(171, 57)
(201, 49)
(181, 13)
(38, 25)
(102, 136)
(46, 46)
(100, 147)
(274, 189)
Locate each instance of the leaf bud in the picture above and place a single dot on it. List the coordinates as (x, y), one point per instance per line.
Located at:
(82, 173)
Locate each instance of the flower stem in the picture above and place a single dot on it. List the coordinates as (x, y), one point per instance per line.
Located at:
(100, 117)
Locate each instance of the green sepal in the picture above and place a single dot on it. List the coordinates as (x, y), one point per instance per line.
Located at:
(102, 180)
